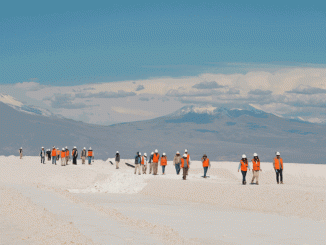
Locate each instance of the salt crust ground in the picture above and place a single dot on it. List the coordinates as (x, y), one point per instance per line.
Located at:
(39, 204)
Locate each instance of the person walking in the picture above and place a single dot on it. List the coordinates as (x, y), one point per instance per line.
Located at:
(58, 154)
(117, 159)
(67, 155)
(90, 155)
(151, 163)
(54, 156)
(255, 168)
(189, 160)
(164, 162)
(74, 155)
(48, 153)
(42, 155)
(206, 164)
(244, 166)
(144, 163)
(63, 157)
(184, 166)
(83, 155)
(278, 167)
(176, 162)
(21, 152)
(156, 158)
(138, 163)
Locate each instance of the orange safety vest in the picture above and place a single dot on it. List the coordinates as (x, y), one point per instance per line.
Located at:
(156, 157)
(63, 154)
(164, 161)
(255, 165)
(182, 162)
(206, 162)
(277, 163)
(244, 166)
(188, 156)
(90, 153)
(67, 153)
(58, 153)
(142, 160)
(54, 152)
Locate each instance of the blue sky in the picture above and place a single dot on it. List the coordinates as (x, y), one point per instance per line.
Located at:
(76, 42)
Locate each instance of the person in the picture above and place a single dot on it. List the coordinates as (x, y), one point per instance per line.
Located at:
(42, 155)
(58, 154)
(137, 163)
(83, 155)
(90, 155)
(74, 155)
(144, 163)
(151, 163)
(21, 152)
(278, 167)
(189, 160)
(206, 164)
(255, 168)
(176, 162)
(164, 162)
(184, 166)
(156, 158)
(67, 155)
(63, 157)
(117, 159)
(244, 166)
(54, 156)
(48, 153)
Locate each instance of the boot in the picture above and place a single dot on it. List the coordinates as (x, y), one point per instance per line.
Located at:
(245, 182)
(278, 182)
(257, 183)
(281, 182)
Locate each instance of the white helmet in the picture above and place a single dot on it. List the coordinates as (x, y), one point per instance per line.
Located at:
(90, 148)
(145, 154)
(57, 148)
(244, 156)
(117, 152)
(278, 154)
(139, 153)
(66, 147)
(75, 147)
(21, 147)
(178, 152)
(84, 148)
(186, 150)
(42, 147)
(63, 149)
(255, 155)
(156, 151)
(163, 154)
(184, 155)
(152, 153)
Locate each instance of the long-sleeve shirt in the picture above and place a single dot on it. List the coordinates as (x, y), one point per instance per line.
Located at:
(176, 159)
(240, 166)
(42, 154)
(150, 159)
(138, 159)
(117, 158)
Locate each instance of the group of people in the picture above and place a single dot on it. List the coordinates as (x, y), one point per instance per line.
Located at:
(64, 155)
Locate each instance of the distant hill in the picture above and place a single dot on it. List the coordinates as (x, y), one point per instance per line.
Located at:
(221, 133)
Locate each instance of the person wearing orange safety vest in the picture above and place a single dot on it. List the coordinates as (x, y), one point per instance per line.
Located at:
(244, 166)
(156, 158)
(184, 166)
(67, 155)
(90, 155)
(206, 164)
(278, 167)
(164, 162)
(255, 168)
(188, 158)
(63, 157)
(144, 163)
(58, 154)
(54, 156)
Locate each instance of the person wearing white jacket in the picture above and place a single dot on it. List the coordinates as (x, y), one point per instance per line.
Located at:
(144, 163)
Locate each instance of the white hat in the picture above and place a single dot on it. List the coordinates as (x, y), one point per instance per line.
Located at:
(163, 154)
(84, 148)
(244, 156)
(178, 152)
(117, 152)
(255, 155)
(139, 153)
(42, 147)
(90, 148)
(66, 147)
(145, 154)
(63, 149)
(21, 147)
(186, 150)
(156, 151)
(57, 148)
(75, 147)
(152, 153)
(184, 155)
(277, 154)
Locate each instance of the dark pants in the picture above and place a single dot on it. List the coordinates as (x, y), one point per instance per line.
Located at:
(279, 172)
(205, 171)
(244, 173)
(177, 168)
(74, 160)
(185, 171)
(42, 159)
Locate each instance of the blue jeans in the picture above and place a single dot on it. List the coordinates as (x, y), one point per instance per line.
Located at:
(42, 159)
(54, 160)
(244, 173)
(177, 168)
(163, 169)
(205, 171)
(89, 160)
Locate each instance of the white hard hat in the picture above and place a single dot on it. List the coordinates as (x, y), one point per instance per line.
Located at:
(163, 154)
(84, 148)
(277, 154)
(244, 156)
(75, 147)
(21, 147)
(255, 155)
(156, 151)
(152, 153)
(66, 147)
(184, 155)
(117, 152)
(90, 148)
(186, 150)
(139, 153)
(178, 152)
(145, 154)
(57, 148)
(42, 147)
(63, 149)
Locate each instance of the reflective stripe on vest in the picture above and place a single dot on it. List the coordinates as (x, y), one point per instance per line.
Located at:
(255, 165)
(277, 164)
(244, 166)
